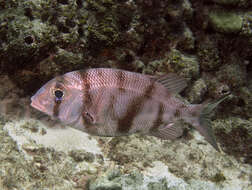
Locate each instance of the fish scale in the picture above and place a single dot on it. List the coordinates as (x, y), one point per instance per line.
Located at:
(113, 102)
(136, 99)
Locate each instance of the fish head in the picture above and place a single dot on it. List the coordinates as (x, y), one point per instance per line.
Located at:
(60, 98)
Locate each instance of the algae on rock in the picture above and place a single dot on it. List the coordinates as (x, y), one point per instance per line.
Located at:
(226, 21)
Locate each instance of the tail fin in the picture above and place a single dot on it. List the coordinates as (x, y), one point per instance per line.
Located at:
(204, 126)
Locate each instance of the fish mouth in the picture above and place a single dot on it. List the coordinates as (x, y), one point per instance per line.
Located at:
(39, 107)
(36, 105)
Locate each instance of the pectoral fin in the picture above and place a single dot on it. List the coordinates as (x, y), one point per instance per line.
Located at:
(170, 131)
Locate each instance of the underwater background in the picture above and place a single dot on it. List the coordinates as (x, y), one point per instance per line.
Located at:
(209, 42)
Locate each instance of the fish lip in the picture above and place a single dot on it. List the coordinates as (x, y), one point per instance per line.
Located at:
(34, 105)
(40, 108)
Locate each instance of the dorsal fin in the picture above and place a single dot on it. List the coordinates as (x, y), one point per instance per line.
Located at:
(174, 83)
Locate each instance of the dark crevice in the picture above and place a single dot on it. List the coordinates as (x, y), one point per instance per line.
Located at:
(44, 16)
(79, 3)
(241, 103)
(249, 66)
(28, 39)
(64, 2)
(62, 28)
(70, 23)
(80, 31)
(28, 13)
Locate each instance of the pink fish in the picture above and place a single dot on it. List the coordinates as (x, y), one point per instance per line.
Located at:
(112, 102)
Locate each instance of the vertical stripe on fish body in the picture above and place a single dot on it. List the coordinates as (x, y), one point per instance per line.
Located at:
(113, 102)
(118, 103)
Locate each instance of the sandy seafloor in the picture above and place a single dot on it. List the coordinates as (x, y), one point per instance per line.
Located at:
(38, 154)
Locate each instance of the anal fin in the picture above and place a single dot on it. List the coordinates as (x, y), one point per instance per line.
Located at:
(170, 131)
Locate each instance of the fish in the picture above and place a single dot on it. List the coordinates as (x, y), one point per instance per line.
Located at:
(113, 102)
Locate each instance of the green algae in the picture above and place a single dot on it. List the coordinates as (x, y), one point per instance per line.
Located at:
(198, 90)
(186, 65)
(209, 54)
(188, 42)
(247, 25)
(105, 31)
(176, 62)
(226, 21)
(219, 177)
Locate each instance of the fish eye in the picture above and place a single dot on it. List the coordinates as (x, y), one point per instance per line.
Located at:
(58, 94)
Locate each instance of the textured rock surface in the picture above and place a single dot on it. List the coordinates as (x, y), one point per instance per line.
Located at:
(208, 42)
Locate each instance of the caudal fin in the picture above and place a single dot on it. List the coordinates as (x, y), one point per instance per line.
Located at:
(204, 126)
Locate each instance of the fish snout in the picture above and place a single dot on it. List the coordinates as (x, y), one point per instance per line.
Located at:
(35, 104)
(39, 103)
(37, 100)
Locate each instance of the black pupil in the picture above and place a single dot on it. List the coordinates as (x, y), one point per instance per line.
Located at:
(58, 94)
